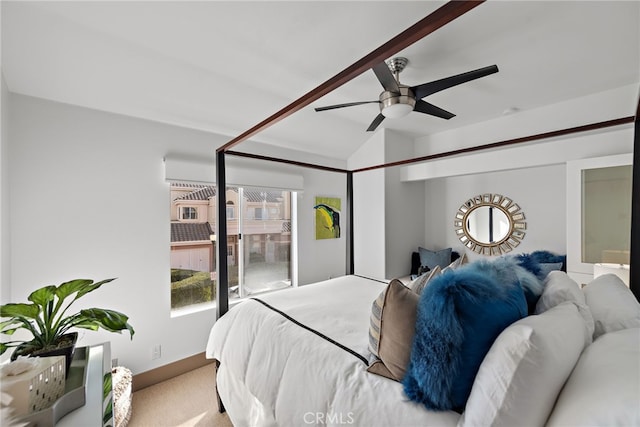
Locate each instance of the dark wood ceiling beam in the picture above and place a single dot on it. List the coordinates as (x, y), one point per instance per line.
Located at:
(439, 18)
(285, 161)
(525, 139)
(530, 138)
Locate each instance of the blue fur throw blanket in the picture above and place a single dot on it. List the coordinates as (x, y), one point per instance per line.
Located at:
(533, 260)
(509, 270)
(460, 314)
(538, 263)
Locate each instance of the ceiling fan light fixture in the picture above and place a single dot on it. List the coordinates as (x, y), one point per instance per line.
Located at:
(395, 111)
(394, 105)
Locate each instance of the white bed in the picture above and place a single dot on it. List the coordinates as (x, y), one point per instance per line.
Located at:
(299, 357)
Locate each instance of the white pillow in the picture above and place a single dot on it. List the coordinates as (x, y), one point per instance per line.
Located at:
(460, 261)
(604, 387)
(558, 288)
(612, 304)
(525, 369)
(421, 282)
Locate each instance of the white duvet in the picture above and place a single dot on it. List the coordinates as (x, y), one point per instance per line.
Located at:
(299, 357)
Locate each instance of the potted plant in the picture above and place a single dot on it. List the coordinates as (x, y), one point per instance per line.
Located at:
(47, 320)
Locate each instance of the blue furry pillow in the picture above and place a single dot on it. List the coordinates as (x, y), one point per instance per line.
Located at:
(508, 270)
(459, 317)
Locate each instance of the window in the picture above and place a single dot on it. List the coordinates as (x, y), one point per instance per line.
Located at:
(258, 251)
(189, 212)
(192, 245)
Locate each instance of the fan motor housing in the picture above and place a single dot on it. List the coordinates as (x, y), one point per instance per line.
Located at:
(405, 96)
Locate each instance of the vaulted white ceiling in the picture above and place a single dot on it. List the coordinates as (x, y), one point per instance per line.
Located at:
(225, 66)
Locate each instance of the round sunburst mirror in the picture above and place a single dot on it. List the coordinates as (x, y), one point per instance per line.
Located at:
(490, 224)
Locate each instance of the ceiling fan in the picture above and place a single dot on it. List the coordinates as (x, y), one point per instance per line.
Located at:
(398, 100)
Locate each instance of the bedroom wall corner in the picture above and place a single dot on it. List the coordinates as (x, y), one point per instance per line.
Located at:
(389, 212)
(405, 209)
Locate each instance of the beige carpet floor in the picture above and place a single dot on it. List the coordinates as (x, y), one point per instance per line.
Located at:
(184, 401)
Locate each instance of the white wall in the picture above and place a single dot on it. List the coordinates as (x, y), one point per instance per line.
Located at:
(325, 258)
(88, 199)
(369, 213)
(369, 209)
(540, 192)
(5, 228)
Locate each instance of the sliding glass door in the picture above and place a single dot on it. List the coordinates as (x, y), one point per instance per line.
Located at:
(260, 237)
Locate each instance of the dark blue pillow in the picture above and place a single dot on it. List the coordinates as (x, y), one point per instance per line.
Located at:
(432, 258)
(460, 314)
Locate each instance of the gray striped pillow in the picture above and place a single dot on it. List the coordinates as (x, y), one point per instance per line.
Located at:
(393, 318)
(374, 324)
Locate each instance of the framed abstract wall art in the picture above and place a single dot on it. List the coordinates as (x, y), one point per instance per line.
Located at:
(327, 217)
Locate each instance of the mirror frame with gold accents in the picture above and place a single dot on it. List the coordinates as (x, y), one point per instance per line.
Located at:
(514, 214)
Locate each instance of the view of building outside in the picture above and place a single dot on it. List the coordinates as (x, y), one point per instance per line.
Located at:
(606, 214)
(258, 242)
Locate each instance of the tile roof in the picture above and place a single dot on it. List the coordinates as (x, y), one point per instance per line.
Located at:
(200, 192)
(259, 196)
(205, 192)
(189, 231)
(184, 185)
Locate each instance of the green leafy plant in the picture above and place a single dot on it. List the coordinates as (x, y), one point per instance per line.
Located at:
(47, 320)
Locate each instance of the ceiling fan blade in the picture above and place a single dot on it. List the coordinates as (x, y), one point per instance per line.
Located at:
(385, 76)
(436, 86)
(426, 108)
(374, 124)
(349, 104)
